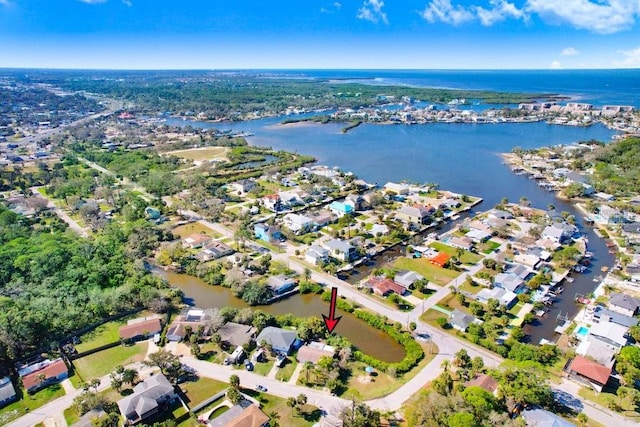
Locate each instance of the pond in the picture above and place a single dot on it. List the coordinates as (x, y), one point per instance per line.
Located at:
(364, 337)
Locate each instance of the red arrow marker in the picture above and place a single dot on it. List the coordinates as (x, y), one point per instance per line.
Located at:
(331, 322)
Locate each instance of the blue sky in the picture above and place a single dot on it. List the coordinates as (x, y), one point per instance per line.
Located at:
(419, 34)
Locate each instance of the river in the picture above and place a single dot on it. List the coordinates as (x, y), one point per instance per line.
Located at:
(464, 158)
(364, 337)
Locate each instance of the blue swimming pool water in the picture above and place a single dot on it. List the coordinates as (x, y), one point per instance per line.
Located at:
(582, 331)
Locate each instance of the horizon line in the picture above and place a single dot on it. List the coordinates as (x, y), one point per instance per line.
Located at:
(312, 69)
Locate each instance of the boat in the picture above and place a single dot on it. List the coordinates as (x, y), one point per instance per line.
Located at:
(597, 278)
(604, 269)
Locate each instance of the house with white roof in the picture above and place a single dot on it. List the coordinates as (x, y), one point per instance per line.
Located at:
(392, 187)
(407, 278)
(299, 224)
(610, 334)
(316, 254)
(504, 297)
(340, 250)
(508, 281)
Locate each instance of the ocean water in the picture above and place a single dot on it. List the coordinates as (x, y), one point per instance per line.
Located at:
(599, 87)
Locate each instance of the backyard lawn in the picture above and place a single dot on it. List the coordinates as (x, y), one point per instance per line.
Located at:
(99, 364)
(104, 334)
(30, 402)
(466, 257)
(200, 390)
(286, 371)
(488, 246)
(431, 272)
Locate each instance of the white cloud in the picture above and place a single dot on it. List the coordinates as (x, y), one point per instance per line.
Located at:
(5, 2)
(499, 11)
(569, 51)
(443, 10)
(337, 5)
(371, 10)
(601, 16)
(631, 60)
(555, 65)
(127, 3)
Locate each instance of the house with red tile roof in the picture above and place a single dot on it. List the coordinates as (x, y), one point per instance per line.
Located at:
(483, 381)
(440, 260)
(589, 372)
(383, 286)
(44, 374)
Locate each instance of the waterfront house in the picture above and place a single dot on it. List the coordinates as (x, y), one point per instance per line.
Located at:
(299, 224)
(416, 214)
(272, 202)
(195, 241)
(624, 304)
(383, 286)
(528, 260)
(340, 250)
(392, 187)
(292, 198)
(190, 317)
(608, 215)
(503, 296)
(461, 243)
(280, 284)
(589, 372)
(7, 391)
(478, 236)
(558, 232)
(500, 214)
(265, 232)
(340, 209)
(281, 340)
(42, 374)
(214, 250)
(407, 278)
(602, 314)
(485, 382)
(236, 334)
(356, 201)
(597, 351)
(314, 351)
(316, 254)
(509, 281)
(140, 328)
(539, 417)
(460, 320)
(631, 229)
(147, 398)
(610, 334)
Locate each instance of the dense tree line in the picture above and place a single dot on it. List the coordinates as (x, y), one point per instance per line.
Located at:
(617, 167)
(52, 283)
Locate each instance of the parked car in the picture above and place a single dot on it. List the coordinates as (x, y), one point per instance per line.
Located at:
(261, 388)
(248, 365)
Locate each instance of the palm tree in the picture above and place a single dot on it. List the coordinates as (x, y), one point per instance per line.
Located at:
(130, 376)
(274, 416)
(307, 274)
(445, 365)
(301, 400)
(308, 366)
(234, 381)
(292, 402)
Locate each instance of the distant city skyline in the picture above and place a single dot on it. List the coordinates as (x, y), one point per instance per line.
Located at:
(320, 34)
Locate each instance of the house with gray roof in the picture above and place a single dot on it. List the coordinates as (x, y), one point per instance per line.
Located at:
(624, 304)
(542, 418)
(602, 314)
(460, 320)
(340, 250)
(316, 254)
(414, 214)
(281, 340)
(280, 284)
(236, 334)
(610, 334)
(7, 391)
(407, 278)
(146, 399)
(508, 281)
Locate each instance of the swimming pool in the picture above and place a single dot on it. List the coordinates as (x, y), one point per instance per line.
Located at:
(582, 331)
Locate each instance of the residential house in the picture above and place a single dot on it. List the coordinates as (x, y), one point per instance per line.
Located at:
(500, 214)
(602, 314)
(542, 418)
(624, 304)
(147, 398)
(299, 224)
(527, 260)
(292, 198)
(152, 213)
(42, 374)
(610, 334)
(541, 253)
(340, 250)
(314, 351)
(477, 236)
(322, 219)
(280, 284)
(265, 232)
(449, 204)
(461, 243)
(597, 351)
(340, 209)
(407, 278)
(558, 232)
(383, 286)
(243, 186)
(190, 317)
(503, 296)
(441, 259)
(508, 281)
(608, 215)
(316, 255)
(7, 392)
(196, 241)
(519, 270)
(485, 382)
(460, 320)
(589, 372)
(392, 187)
(416, 214)
(244, 414)
(236, 334)
(379, 230)
(356, 201)
(272, 202)
(214, 250)
(281, 340)
(140, 328)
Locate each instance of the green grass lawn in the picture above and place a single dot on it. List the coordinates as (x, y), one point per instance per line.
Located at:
(488, 246)
(263, 368)
(433, 273)
(202, 389)
(466, 257)
(286, 417)
(470, 288)
(30, 402)
(193, 228)
(103, 362)
(106, 333)
(607, 395)
(71, 416)
(286, 371)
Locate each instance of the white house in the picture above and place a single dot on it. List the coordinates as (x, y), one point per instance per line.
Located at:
(299, 224)
(339, 249)
(316, 254)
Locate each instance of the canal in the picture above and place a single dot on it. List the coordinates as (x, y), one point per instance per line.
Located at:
(363, 336)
